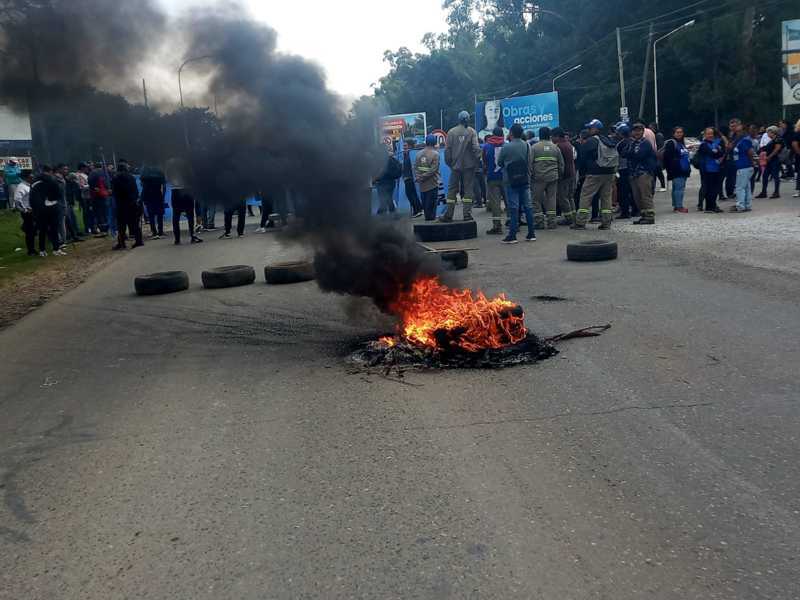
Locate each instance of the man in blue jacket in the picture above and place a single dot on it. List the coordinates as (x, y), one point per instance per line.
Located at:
(495, 188)
(642, 163)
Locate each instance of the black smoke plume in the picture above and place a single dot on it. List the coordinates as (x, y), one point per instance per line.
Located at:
(280, 128)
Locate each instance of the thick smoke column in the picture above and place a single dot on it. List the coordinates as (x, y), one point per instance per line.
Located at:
(55, 46)
(284, 129)
(281, 127)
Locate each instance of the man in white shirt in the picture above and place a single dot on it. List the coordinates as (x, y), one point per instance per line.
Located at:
(22, 202)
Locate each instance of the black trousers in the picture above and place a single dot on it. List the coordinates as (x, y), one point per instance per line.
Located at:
(712, 183)
(240, 217)
(128, 220)
(625, 194)
(772, 170)
(267, 209)
(730, 179)
(29, 229)
(411, 194)
(186, 208)
(47, 227)
(429, 203)
(660, 177)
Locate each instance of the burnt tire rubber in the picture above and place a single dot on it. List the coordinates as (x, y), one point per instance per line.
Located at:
(592, 251)
(446, 232)
(454, 260)
(161, 283)
(225, 277)
(289, 272)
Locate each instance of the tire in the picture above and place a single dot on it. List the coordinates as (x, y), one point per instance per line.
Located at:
(592, 250)
(161, 283)
(454, 260)
(289, 272)
(225, 277)
(446, 232)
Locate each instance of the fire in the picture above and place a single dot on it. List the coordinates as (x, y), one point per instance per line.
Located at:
(436, 316)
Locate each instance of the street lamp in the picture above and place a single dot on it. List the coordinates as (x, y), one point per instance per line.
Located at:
(655, 59)
(180, 93)
(568, 71)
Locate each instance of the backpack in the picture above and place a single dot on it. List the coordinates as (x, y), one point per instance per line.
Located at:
(394, 169)
(517, 172)
(607, 155)
(696, 160)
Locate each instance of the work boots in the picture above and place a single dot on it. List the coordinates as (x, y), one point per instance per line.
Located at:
(552, 222)
(447, 217)
(538, 220)
(648, 218)
(467, 211)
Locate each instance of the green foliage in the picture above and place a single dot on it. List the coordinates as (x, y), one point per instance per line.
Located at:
(727, 63)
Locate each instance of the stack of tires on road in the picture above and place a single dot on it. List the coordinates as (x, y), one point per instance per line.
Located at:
(169, 282)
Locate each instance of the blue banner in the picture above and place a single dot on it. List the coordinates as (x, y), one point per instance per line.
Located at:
(532, 112)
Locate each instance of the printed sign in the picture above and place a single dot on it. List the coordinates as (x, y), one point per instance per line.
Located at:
(532, 112)
(24, 162)
(790, 47)
(441, 137)
(400, 127)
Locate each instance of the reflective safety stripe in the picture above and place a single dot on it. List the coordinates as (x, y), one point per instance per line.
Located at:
(466, 200)
(553, 158)
(606, 210)
(583, 210)
(450, 201)
(552, 213)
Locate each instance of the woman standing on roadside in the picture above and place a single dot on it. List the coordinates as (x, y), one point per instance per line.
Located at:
(712, 153)
(675, 158)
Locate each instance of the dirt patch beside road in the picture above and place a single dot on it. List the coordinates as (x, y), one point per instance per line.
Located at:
(55, 275)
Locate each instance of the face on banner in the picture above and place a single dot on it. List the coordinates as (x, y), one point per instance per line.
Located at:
(532, 112)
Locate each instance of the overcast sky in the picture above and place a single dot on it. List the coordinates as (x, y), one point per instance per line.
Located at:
(347, 37)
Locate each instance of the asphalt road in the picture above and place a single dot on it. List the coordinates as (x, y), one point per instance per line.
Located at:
(216, 444)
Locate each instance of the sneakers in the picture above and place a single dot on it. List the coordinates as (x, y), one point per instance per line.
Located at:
(681, 210)
(417, 215)
(645, 221)
(796, 195)
(225, 236)
(775, 196)
(59, 252)
(531, 237)
(197, 240)
(509, 240)
(663, 189)
(42, 253)
(209, 228)
(155, 237)
(494, 231)
(762, 195)
(138, 245)
(736, 208)
(261, 230)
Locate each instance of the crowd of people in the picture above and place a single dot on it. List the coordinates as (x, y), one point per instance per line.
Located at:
(596, 176)
(599, 175)
(113, 201)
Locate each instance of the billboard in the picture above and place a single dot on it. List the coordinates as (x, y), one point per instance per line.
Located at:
(399, 127)
(532, 112)
(790, 47)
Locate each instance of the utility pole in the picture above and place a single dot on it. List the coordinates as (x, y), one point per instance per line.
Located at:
(646, 72)
(621, 74)
(144, 91)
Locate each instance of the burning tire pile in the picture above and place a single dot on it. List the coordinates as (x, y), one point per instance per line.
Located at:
(442, 327)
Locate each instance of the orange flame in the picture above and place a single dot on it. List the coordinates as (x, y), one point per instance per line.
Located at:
(433, 315)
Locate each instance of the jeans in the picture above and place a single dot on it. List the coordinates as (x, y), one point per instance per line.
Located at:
(111, 216)
(744, 197)
(156, 221)
(73, 231)
(516, 197)
(773, 170)
(385, 197)
(678, 188)
(100, 213)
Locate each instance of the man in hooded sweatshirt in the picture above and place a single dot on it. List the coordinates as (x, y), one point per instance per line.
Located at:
(495, 188)
(462, 155)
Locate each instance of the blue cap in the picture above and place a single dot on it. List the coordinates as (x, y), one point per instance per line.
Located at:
(594, 124)
(431, 140)
(623, 127)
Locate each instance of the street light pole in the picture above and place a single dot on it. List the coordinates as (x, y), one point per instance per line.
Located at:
(655, 60)
(567, 72)
(180, 93)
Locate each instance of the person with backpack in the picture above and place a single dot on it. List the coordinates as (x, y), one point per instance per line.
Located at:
(426, 169)
(675, 158)
(600, 160)
(708, 160)
(642, 164)
(462, 154)
(547, 169)
(495, 188)
(386, 183)
(515, 160)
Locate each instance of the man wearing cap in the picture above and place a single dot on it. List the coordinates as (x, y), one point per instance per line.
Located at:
(13, 176)
(566, 185)
(426, 171)
(462, 155)
(600, 160)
